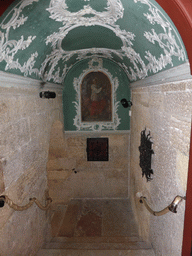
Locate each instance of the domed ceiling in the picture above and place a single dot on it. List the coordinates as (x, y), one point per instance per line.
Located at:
(43, 39)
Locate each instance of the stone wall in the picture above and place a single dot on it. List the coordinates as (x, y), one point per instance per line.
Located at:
(165, 111)
(70, 175)
(25, 125)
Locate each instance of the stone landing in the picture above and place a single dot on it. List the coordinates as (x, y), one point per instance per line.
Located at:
(95, 227)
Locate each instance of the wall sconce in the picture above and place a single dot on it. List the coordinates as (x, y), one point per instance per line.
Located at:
(2, 201)
(47, 95)
(126, 103)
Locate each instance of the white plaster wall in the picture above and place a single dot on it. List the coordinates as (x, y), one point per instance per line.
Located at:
(165, 110)
(25, 124)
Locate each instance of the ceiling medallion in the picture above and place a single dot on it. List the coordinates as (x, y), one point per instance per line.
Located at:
(59, 12)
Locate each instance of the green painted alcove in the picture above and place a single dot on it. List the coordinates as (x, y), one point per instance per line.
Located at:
(70, 95)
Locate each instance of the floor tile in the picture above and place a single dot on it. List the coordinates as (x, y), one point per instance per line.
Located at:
(89, 225)
(56, 222)
(118, 219)
(89, 219)
(69, 222)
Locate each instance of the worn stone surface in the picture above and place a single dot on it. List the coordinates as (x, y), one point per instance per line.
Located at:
(60, 252)
(165, 111)
(2, 184)
(72, 176)
(25, 126)
(109, 220)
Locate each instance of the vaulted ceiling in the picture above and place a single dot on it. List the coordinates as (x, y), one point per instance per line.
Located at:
(43, 39)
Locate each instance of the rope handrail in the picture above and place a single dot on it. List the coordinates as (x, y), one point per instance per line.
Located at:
(5, 199)
(171, 207)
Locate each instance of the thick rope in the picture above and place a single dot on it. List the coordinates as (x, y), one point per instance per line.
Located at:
(155, 213)
(31, 202)
(172, 207)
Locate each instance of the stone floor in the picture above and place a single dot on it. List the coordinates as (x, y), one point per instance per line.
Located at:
(95, 228)
(94, 218)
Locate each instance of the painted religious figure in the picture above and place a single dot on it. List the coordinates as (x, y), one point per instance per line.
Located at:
(96, 103)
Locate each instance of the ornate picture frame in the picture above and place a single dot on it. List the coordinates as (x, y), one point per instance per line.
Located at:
(96, 104)
(96, 100)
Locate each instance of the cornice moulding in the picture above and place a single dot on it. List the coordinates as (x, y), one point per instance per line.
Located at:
(12, 80)
(175, 74)
(96, 133)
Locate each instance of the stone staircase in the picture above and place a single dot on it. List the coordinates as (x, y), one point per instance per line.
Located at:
(86, 246)
(95, 228)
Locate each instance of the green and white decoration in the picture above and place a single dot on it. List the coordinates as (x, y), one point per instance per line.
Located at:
(44, 38)
(96, 65)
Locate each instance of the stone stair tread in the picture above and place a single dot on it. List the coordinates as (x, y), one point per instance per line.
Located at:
(64, 252)
(100, 243)
(99, 239)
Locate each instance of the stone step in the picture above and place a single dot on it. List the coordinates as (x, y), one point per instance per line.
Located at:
(100, 239)
(63, 252)
(97, 243)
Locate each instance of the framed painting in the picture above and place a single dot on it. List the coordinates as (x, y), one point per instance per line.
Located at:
(96, 103)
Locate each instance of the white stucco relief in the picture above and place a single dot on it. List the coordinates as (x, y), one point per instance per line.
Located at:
(50, 69)
(95, 65)
(9, 48)
(139, 68)
(166, 40)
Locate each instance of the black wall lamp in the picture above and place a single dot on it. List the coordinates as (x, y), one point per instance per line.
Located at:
(47, 95)
(2, 201)
(126, 103)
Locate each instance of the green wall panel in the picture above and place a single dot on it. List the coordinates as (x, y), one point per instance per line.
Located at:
(70, 94)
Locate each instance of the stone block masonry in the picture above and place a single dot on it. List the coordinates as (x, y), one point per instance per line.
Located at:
(25, 126)
(70, 175)
(165, 110)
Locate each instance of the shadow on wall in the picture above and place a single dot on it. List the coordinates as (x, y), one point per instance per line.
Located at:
(70, 175)
(2, 185)
(58, 166)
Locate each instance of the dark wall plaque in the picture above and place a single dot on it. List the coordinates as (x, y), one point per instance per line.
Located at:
(146, 152)
(97, 149)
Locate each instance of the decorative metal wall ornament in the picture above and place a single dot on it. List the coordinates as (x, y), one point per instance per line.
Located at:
(146, 152)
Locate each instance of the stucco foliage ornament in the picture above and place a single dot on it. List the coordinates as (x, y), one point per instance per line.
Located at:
(71, 20)
(96, 64)
(138, 68)
(59, 12)
(165, 39)
(9, 48)
(59, 61)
